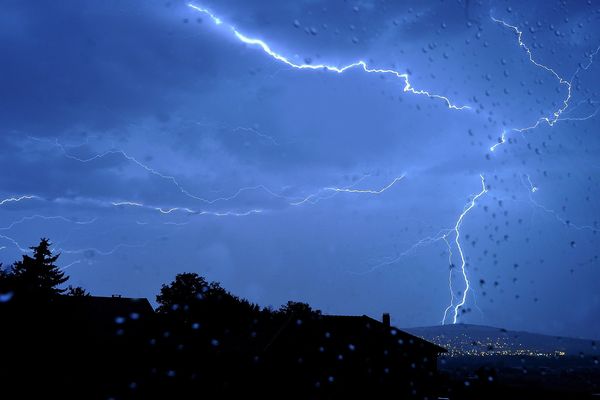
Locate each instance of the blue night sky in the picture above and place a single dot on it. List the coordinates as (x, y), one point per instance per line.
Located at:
(149, 140)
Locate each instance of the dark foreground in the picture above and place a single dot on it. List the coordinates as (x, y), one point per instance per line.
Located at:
(116, 348)
(128, 351)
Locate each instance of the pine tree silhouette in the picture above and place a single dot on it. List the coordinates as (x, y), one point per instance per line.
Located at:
(38, 276)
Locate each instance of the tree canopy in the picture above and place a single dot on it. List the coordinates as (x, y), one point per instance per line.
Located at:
(298, 309)
(191, 292)
(36, 275)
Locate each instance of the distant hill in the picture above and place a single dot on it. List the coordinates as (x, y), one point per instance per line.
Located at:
(476, 340)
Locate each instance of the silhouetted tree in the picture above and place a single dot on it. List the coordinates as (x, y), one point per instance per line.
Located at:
(190, 290)
(298, 309)
(191, 299)
(77, 291)
(187, 288)
(37, 275)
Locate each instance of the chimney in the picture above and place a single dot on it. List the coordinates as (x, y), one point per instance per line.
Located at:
(386, 320)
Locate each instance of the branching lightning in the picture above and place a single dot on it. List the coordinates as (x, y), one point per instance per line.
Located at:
(321, 194)
(444, 235)
(358, 64)
(556, 115)
(441, 235)
(533, 189)
(331, 191)
(152, 171)
(187, 210)
(166, 177)
(451, 236)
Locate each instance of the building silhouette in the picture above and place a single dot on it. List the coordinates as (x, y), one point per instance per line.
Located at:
(342, 356)
(114, 347)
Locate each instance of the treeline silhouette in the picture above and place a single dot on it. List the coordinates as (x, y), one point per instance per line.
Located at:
(201, 342)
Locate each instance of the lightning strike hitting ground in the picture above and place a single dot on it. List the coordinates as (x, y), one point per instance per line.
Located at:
(450, 267)
(463, 262)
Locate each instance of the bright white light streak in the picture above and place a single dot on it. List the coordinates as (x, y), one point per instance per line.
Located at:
(463, 261)
(332, 68)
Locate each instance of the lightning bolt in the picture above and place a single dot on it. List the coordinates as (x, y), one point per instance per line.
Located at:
(187, 210)
(556, 115)
(463, 262)
(407, 88)
(332, 68)
(293, 201)
(326, 192)
(312, 199)
(444, 234)
(316, 197)
(33, 217)
(451, 267)
(533, 189)
(161, 175)
(70, 265)
(590, 62)
(14, 242)
(585, 118)
(135, 161)
(501, 141)
(17, 199)
(441, 235)
(367, 191)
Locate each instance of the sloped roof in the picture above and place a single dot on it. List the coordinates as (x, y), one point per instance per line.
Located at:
(352, 322)
(356, 327)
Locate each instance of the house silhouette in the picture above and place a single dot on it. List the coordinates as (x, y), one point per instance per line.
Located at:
(342, 356)
(115, 347)
(71, 347)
